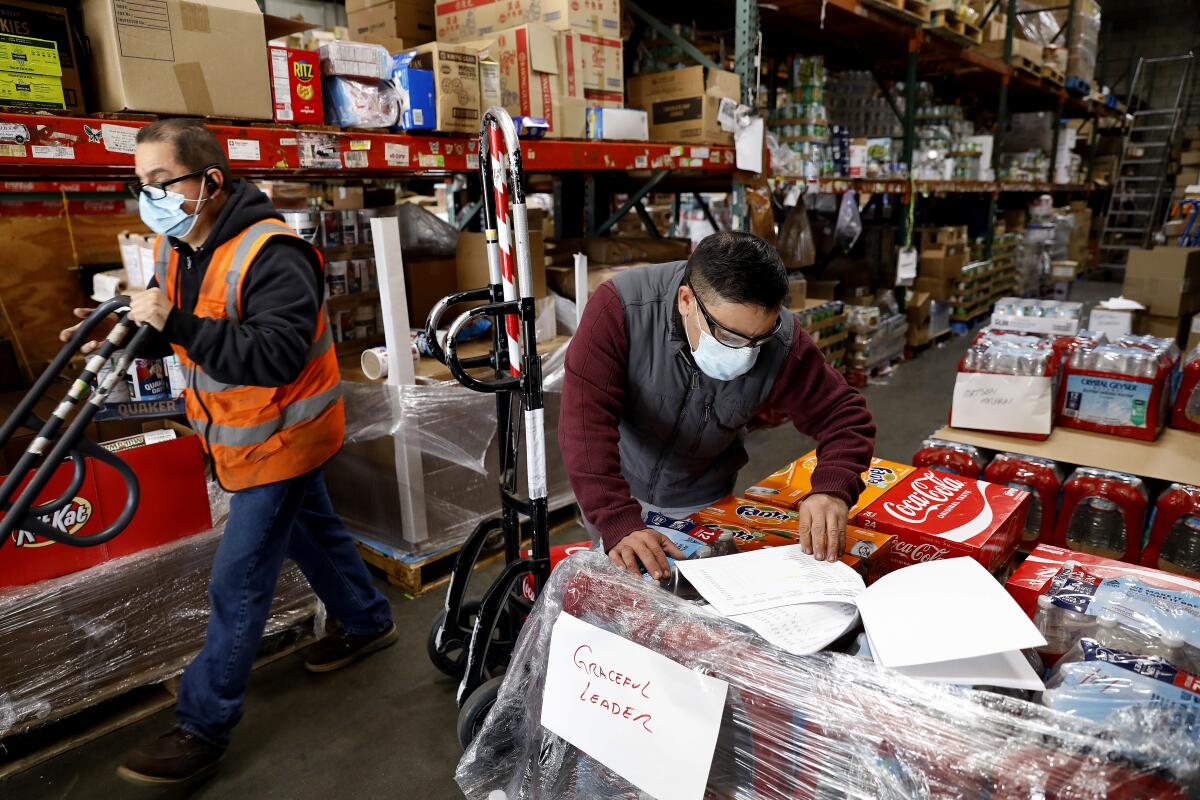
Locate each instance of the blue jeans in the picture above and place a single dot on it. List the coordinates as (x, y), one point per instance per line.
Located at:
(290, 519)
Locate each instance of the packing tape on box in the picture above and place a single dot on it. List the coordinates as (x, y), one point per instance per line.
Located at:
(194, 88)
(195, 17)
(106, 285)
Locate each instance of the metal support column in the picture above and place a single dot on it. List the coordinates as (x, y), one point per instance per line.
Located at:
(633, 203)
(745, 57)
(910, 128)
(1054, 136)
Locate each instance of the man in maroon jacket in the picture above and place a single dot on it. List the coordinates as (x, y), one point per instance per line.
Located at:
(670, 363)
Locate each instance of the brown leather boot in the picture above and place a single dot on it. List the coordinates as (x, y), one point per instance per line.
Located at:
(174, 757)
(340, 649)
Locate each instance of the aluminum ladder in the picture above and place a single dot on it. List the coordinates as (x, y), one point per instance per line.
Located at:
(1136, 207)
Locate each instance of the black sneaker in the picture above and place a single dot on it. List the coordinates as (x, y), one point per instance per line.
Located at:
(175, 757)
(340, 649)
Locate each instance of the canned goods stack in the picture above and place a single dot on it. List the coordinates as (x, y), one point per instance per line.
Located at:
(801, 121)
(1174, 541)
(1186, 414)
(1043, 479)
(1103, 513)
(1120, 389)
(952, 457)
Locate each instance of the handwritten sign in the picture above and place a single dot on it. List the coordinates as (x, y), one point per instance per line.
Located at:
(1009, 403)
(631, 709)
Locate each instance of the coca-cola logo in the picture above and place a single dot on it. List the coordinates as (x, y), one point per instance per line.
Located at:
(920, 552)
(760, 513)
(928, 493)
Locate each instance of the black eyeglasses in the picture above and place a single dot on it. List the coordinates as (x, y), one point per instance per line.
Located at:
(733, 339)
(157, 191)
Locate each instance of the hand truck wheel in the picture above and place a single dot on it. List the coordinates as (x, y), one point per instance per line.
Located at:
(451, 658)
(473, 712)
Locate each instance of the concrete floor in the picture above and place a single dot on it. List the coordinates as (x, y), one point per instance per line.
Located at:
(386, 727)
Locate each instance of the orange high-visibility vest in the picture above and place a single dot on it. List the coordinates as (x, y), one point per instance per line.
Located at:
(256, 434)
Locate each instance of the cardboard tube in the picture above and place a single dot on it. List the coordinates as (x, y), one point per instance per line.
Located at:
(375, 363)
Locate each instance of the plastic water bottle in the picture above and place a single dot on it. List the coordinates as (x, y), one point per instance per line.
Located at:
(1097, 522)
(1192, 409)
(726, 545)
(1061, 627)
(1182, 545)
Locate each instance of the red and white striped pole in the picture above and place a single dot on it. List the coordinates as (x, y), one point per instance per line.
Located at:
(499, 159)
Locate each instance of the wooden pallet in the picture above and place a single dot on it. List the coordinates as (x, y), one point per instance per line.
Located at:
(915, 11)
(912, 351)
(75, 726)
(1054, 75)
(949, 24)
(417, 575)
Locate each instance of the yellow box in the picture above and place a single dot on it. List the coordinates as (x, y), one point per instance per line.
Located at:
(787, 487)
(31, 91)
(29, 56)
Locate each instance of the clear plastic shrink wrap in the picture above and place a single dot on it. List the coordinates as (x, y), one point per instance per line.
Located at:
(452, 430)
(71, 642)
(822, 726)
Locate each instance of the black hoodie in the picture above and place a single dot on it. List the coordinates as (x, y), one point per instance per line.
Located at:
(280, 300)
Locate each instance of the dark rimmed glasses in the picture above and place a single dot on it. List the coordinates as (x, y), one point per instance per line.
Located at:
(157, 191)
(729, 338)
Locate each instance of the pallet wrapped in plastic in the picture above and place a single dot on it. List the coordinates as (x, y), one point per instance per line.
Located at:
(821, 726)
(71, 642)
(447, 434)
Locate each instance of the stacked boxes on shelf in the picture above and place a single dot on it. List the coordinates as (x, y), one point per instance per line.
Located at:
(1166, 280)
(825, 322)
(392, 23)
(1189, 167)
(1004, 261)
(876, 337)
(800, 118)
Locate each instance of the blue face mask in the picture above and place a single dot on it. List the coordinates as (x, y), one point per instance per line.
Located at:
(720, 362)
(166, 215)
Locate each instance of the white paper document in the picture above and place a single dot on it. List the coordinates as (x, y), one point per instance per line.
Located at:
(770, 578)
(1012, 403)
(801, 629)
(943, 611)
(649, 719)
(1008, 670)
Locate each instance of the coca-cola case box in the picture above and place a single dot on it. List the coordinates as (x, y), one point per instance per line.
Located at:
(787, 487)
(173, 504)
(1035, 573)
(936, 515)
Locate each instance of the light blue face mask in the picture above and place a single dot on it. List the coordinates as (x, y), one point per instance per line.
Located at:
(166, 215)
(720, 362)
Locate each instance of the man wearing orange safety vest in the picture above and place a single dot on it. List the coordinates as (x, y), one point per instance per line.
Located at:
(239, 298)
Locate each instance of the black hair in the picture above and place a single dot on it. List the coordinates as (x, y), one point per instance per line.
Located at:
(195, 145)
(738, 268)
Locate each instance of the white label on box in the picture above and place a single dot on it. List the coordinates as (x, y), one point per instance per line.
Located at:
(360, 144)
(431, 161)
(727, 115)
(356, 159)
(396, 155)
(118, 138)
(649, 719)
(244, 150)
(1005, 403)
(418, 115)
(53, 151)
(906, 266)
(1111, 323)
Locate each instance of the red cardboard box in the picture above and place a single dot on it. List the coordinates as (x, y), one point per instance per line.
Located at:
(173, 504)
(938, 515)
(296, 86)
(1034, 575)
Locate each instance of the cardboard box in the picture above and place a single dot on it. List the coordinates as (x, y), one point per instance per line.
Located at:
(464, 20)
(603, 64)
(409, 20)
(418, 100)
(1193, 338)
(540, 76)
(31, 91)
(296, 86)
(1166, 280)
(180, 57)
(174, 504)
(935, 288)
(1033, 577)
(1117, 322)
(1167, 328)
(1064, 270)
(943, 261)
(1190, 158)
(617, 124)
(453, 73)
(426, 281)
(683, 104)
(472, 265)
(937, 515)
(29, 56)
(52, 23)
(789, 486)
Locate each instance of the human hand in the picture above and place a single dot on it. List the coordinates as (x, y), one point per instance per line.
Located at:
(83, 313)
(150, 307)
(650, 548)
(823, 526)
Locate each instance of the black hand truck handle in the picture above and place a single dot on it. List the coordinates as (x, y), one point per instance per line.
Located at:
(457, 366)
(434, 322)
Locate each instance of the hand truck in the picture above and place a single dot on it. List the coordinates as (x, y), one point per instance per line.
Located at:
(473, 640)
(52, 445)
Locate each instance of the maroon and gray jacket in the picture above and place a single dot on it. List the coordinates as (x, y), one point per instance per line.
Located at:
(640, 420)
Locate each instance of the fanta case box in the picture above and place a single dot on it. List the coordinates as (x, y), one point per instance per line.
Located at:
(937, 515)
(173, 504)
(1033, 576)
(787, 487)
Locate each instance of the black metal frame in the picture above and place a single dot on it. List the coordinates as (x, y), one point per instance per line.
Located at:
(53, 445)
(503, 607)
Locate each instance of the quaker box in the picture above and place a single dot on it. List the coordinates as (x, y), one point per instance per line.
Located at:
(938, 515)
(40, 21)
(296, 86)
(180, 57)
